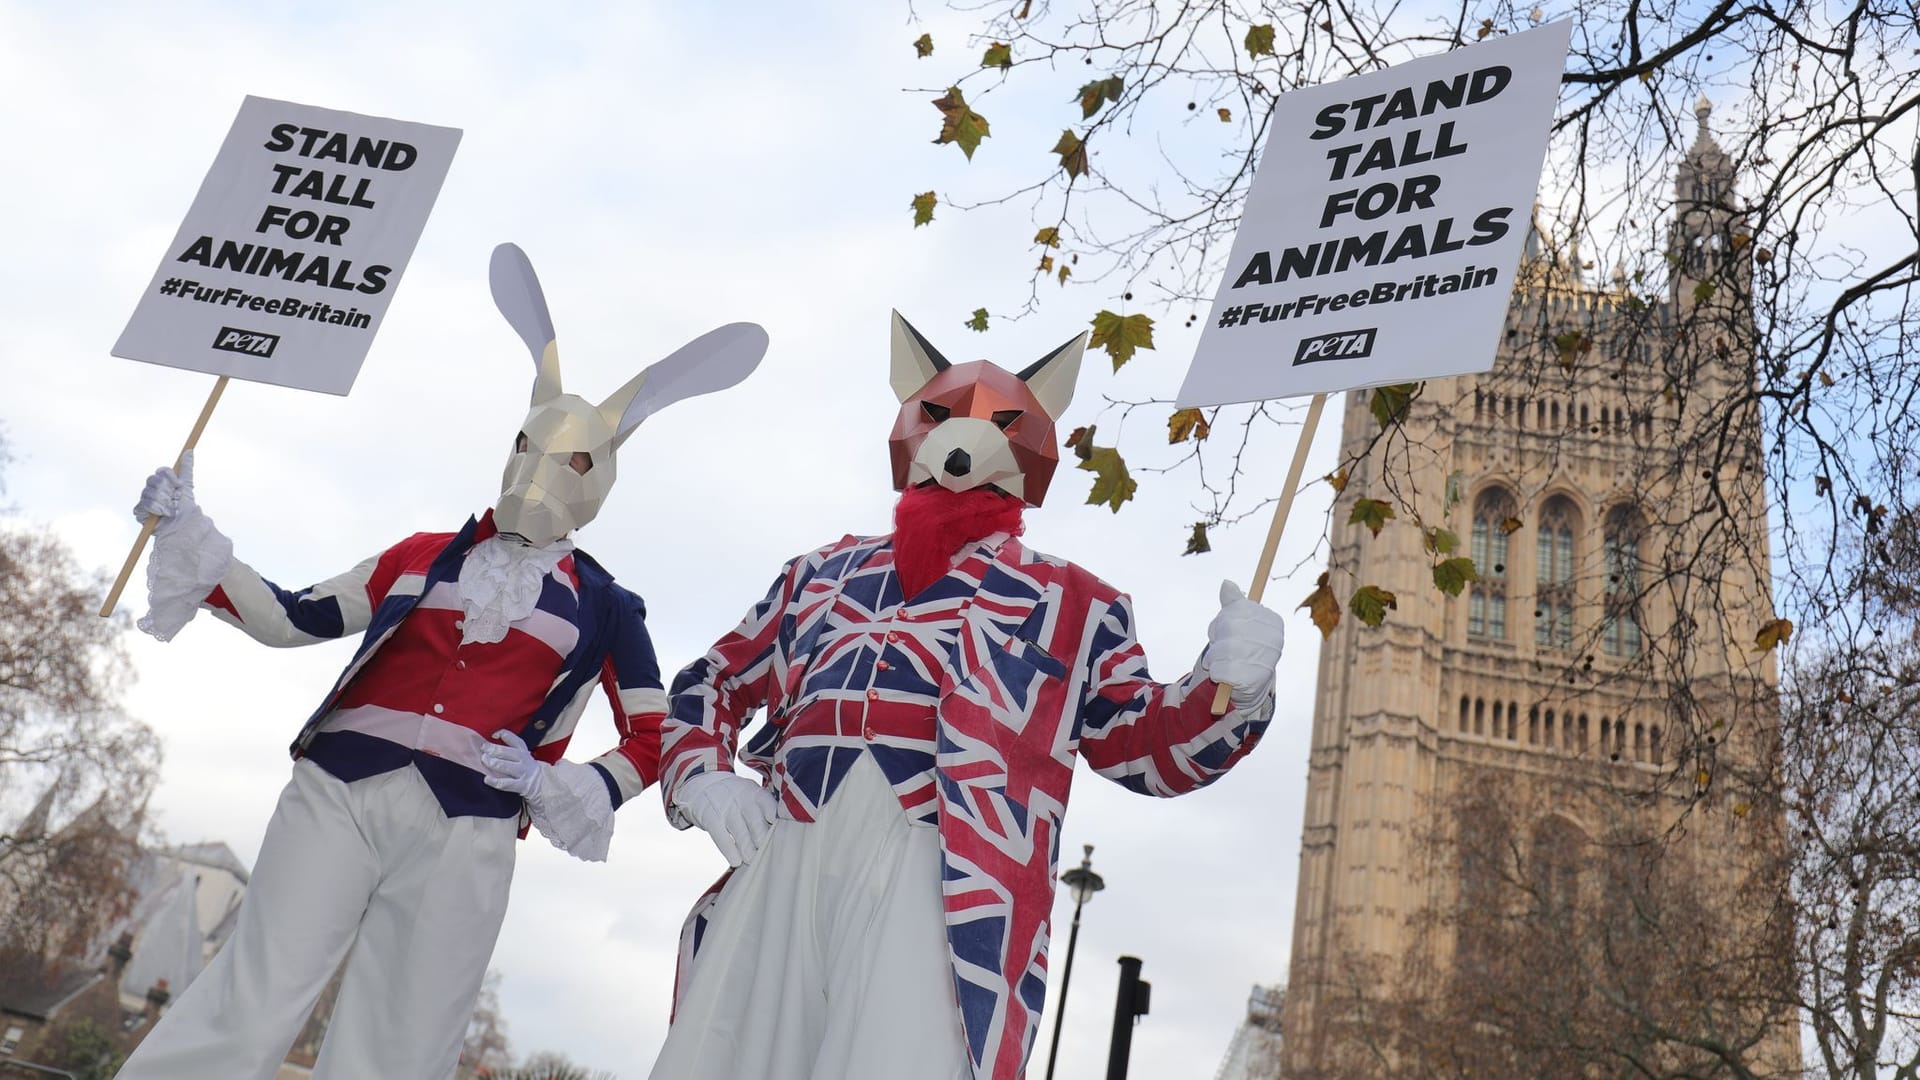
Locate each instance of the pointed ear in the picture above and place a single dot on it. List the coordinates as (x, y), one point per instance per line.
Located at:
(713, 361)
(915, 360)
(516, 292)
(1051, 377)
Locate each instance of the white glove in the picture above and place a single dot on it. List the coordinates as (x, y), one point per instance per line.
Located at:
(169, 496)
(568, 802)
(1244, 643)
(737, 812)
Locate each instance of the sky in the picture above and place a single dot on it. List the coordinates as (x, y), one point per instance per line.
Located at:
(668, 168)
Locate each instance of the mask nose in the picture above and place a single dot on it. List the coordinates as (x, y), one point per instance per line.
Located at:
(958, 463)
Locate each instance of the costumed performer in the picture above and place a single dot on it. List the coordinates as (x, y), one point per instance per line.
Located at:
(393, 844)
(927, 694)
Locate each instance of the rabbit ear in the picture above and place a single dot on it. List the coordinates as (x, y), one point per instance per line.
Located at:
(516, 292)
(713, 361)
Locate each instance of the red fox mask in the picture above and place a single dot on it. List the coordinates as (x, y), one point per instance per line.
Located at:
(971, 425)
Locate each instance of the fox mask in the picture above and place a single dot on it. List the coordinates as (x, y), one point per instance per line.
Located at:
(563, 458)
(971, 425)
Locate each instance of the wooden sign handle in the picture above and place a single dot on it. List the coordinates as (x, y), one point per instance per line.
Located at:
(1258, 586)
(153, 520)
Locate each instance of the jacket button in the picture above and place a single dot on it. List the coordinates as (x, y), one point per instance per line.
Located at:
(867, 733)
(539, 725)
(882, 665)
(873, 695)
(438, 708)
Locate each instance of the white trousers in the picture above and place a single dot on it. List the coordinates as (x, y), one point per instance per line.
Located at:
(825, 958)
(373, 871)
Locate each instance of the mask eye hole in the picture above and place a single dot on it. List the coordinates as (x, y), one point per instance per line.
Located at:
(520, 443)
(581, 462)
(1005, 417)
(935, 413)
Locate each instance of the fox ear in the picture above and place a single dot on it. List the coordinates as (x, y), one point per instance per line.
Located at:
(516, 292)
(915, 360)
(1051, 377)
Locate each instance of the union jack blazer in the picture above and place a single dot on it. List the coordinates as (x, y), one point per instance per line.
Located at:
(1045, 668)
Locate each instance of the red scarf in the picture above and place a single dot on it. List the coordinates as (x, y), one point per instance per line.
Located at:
(931, 524)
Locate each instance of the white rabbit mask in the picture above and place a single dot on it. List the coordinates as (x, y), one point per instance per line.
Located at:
(562, 464)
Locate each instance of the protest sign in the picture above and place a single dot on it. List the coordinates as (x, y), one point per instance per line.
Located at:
(1380, 237)
(293, 247)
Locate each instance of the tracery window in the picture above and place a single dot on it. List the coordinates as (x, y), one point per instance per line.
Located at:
(1621, 634)
(1493, 524)
(1553, 575)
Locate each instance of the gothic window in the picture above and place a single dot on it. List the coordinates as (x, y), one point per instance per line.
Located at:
(1653, 738)
(1620, 635)
(1463, 714)
(1553, 576)
(1533, 726)
(1479, 716)
(1487, 602)
(1558, 847)
(1583, 734)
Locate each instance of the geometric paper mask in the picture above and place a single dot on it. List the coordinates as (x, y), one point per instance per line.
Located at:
(969, 425)
(562, 464)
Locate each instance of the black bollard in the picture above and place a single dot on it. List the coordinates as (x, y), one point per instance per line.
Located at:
(1129, 1004)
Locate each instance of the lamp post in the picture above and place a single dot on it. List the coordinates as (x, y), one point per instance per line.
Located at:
(1083, 883)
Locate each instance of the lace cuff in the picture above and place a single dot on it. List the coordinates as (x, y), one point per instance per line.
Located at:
(189, 558)
(573, 810)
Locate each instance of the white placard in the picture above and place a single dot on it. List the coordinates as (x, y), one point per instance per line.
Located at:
(1381, 234)
(293, 247)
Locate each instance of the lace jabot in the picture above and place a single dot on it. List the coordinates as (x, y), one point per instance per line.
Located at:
(500, 583)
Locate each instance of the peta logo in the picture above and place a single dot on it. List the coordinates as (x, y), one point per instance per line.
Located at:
(1349, 345)
(250, 342)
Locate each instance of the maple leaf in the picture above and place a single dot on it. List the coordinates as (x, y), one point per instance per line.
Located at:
(1571, 346)
(1337, 481)
(1452, 575)
(1065, 273)
(1372, 513)
(1187, 424)
(1260, 40)
(979, 321)
(1080, 441)
(1389, 403)
(1046, 264)
(1703, 292)
(1197, 543)
(1772, 635)
(999, 54)
(1226, 115)
(1073, 153)
(1099, 92)
(1440, 541)
(1323, 607)
(1120, 335)
(923, 205)
(1111, 483)
(960, 125)
(923, 46)
(1370, 604)
(1510, 525)
(1049, 236)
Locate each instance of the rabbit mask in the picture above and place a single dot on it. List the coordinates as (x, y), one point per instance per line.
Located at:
(562, 464)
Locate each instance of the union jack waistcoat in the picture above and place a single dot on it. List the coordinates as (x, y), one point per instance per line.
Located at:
(1045, 667)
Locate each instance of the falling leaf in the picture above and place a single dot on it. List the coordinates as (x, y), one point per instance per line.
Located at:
(1772, 635)
(1440, 541)
(1372, 513)
(1073, 153)
(1370, 604)
(979, 321)
(1226, 115)
(923, 204)
(1111, 484)
(1099, 92)
(1323, 607)
(1510, 525)
(999, 54)
(1187, 424)
(1337, 481)
(1120, 335)
(1049, 236)
(1452, 575)
(1046, 264)
(1260, 40)
(960, 125)
(1080, 441)
(923, 46)
(1389, 403)
(1197, 543)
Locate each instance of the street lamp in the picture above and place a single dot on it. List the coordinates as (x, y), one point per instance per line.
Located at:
(1083, 883)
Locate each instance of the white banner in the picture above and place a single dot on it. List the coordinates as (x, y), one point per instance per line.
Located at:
(1380, 237)
(293, 247)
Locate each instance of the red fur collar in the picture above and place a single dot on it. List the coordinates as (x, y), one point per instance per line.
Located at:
(931, 524)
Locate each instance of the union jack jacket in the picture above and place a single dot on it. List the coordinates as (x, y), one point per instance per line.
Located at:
(1045, 668)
